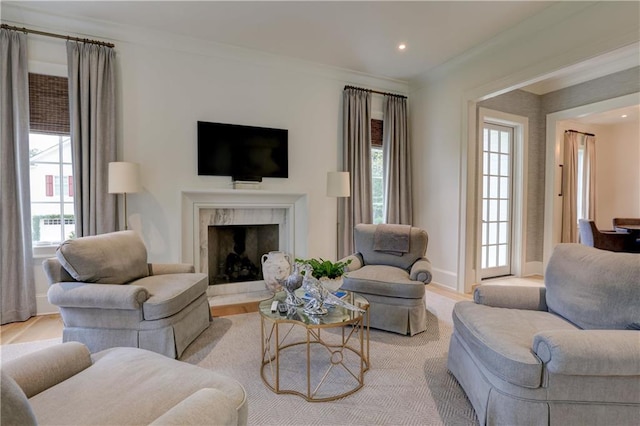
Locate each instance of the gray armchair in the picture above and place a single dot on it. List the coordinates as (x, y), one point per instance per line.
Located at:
(391, 280)
(110, 296)
(564, 354)
(66, 385)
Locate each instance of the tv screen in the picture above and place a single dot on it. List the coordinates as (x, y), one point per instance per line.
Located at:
(243, 152)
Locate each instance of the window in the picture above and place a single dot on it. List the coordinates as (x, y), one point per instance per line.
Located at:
(50, 163)
(377, 172)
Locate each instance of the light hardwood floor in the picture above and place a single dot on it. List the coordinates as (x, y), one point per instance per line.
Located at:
(44, 327)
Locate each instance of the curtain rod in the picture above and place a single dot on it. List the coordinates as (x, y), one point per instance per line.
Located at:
(43, 33)
(575, 131)
(375, 91)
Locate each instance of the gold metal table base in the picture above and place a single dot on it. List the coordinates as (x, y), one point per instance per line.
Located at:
(348, 353)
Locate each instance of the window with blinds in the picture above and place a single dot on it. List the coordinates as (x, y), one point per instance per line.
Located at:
(48, 104)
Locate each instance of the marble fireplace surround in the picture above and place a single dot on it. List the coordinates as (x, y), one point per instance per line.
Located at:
(201, 209)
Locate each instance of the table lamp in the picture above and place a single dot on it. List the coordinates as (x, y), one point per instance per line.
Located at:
(338, 184)
(124, 178)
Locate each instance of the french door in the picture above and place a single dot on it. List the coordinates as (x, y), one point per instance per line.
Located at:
(497, 200)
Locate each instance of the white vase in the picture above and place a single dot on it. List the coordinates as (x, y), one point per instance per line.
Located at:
(276, 266)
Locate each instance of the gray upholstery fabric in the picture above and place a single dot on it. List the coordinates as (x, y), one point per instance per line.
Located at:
(14, 405)
(114, 258)
(385, 281)
(171, 293)
(592, 288)
(163, 310)
(127, 386)
(38, 371)
(499, 296)
(209, 404)
(525, 365)
(364, 239)
(393, 285)
(502, 339)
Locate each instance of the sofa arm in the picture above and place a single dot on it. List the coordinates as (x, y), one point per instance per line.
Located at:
(356, 262)
(206, 406)
(514, 297)
(170, 268)
(40, 370)
(589, 352)
(103, 296)
(421, 271)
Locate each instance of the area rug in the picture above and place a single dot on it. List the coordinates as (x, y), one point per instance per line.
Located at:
(407, 384)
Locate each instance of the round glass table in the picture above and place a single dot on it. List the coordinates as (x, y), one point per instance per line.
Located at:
(317, 357)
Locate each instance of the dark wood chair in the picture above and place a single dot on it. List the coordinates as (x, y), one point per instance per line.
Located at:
(610, 240)
(619, 221)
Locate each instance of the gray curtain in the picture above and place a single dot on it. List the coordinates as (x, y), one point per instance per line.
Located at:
(397, 162)
(17, 284)
(356, 158)
(92, 105)
(590, 181)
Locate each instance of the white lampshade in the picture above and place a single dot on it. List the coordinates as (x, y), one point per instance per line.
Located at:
(124, 178)
(338, 184)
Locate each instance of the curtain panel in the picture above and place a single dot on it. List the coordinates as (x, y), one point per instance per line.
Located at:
(397, 162)
(17, 283)
(92, 105)
(356, 157)
(570, 189)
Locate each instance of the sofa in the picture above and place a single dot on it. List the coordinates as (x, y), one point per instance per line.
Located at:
(110, 296)
(67, 385)
(389, 269)
(567, 353)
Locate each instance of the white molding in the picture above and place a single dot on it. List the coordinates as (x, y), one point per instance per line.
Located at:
(194, 201)
(447, 279)
(532, 268)
(520, 157)
(552, 160)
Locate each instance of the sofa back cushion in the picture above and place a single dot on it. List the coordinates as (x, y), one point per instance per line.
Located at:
(593, 288)
(113, 258)
(364, 238)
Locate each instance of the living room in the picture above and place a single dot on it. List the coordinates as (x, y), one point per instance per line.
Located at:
(168, 82)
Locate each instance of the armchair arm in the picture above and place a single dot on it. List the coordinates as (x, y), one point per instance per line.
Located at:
(170, 268)
(514, 297)
(40, 370)
(206, 406)
(589, 352)
(421, 270)
(103, 296)
(356, 262)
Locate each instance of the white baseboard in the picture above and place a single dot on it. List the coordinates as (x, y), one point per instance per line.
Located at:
(43, 307)
(532, 268)
(445, 279)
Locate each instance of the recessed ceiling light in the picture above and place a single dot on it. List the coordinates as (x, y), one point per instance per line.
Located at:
(624, 116)
(402, 46)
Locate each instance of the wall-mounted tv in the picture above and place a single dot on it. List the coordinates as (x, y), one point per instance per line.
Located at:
(242, 152)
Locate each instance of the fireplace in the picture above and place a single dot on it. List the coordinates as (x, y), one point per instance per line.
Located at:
(211, 220)
(235, 251)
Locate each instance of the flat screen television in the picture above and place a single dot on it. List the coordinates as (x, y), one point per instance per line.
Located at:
(242, 152)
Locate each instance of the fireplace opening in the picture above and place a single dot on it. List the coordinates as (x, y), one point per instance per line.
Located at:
(235, 251)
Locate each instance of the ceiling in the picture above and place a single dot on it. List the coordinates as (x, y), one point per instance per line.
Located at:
(361, 36)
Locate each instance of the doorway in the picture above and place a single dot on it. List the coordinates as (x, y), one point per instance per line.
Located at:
(502, 140)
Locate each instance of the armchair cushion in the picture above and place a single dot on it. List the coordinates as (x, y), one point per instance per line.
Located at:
(592, 288)
(384, 281)
(514, 297)
(15, 405)
(114, 258)
(501, 338)
(171, 293)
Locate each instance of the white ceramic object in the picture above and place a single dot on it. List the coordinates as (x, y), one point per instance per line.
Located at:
(276, 267)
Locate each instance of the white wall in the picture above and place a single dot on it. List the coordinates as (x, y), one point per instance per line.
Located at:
(617, 173)
(441, 100)
(169, 83)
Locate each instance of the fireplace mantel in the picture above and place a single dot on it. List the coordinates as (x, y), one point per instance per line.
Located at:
(196, 202)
